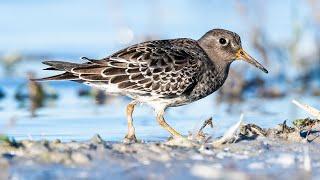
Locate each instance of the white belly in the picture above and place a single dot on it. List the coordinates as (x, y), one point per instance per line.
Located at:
(155, 100)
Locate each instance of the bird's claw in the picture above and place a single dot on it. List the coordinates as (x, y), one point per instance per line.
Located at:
(128, 139)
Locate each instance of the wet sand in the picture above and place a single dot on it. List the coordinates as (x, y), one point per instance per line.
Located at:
(279, 152)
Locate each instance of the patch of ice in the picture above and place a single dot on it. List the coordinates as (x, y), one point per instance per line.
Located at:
(306, 160)
(240, 156)
(198, 157)
(222, 155)
(284, 160)
(213, 171)
(256, 165)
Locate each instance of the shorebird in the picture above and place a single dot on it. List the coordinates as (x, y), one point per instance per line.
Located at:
(160, 73)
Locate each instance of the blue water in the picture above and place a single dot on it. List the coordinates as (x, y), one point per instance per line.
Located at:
(78, 118)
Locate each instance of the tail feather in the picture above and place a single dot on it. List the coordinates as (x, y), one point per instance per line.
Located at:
(60, 65)
(63, 76)
(69, 68)
(51, 68)
(95, 61)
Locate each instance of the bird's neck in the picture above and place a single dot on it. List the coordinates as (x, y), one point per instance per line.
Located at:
(210, 80)
(222, 68)
(220, 73)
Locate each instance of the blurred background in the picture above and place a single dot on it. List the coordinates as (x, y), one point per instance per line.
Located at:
(283, 35)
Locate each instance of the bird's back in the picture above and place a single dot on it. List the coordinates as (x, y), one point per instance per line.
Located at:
(162, 69)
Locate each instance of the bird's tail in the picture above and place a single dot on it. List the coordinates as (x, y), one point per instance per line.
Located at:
(60, 66)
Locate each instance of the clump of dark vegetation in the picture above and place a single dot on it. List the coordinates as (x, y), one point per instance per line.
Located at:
(5, 140)
(301, 130)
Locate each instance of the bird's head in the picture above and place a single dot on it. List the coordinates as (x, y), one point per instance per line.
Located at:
(225, 46)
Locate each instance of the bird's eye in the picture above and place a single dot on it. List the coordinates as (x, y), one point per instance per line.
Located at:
(222, 41)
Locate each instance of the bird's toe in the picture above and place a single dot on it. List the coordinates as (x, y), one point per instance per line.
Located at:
(182, 142)
(128, 139)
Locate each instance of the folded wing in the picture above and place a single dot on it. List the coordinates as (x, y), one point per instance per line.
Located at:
(156, 67)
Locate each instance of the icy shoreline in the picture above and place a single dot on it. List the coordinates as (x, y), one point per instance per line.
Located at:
(282, 152)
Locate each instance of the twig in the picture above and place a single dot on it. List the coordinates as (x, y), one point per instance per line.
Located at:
(200, 136)
(311, 110)
(207, 122)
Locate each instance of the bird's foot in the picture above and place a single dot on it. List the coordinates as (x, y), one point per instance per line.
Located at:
(181, 141)
(128, 139)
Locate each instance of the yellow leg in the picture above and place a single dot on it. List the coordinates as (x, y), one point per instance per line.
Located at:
(166, 126)
(130, 137)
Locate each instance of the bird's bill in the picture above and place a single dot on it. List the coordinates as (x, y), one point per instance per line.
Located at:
(241, 54)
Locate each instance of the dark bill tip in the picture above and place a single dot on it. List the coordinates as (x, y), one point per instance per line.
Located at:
(265, 70)
(241, 54)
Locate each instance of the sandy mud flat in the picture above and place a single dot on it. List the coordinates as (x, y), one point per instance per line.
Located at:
(254, 152)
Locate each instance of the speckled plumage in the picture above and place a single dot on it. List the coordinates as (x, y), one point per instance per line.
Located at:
(161, 73)
(165, 69)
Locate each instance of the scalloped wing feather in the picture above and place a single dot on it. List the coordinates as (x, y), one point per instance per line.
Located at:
(164, 68)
